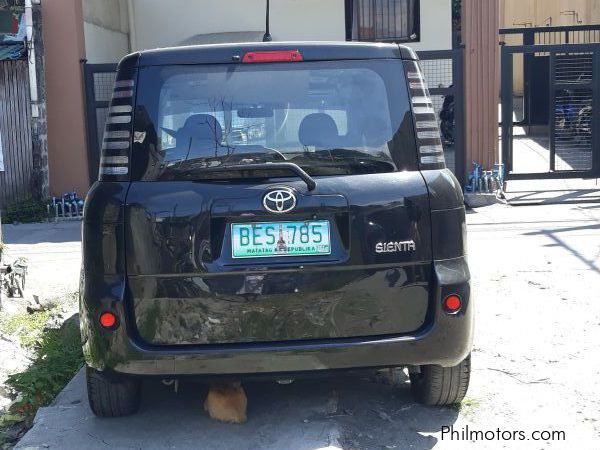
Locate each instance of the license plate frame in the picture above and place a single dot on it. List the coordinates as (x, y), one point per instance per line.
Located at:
(322, 248)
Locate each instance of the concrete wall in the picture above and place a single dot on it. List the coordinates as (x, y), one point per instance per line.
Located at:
(436, 26)
(64, 48)
(106, 30)
(158, 23)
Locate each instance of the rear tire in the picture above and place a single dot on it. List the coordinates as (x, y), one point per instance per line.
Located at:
(441, 386)
(112, 396)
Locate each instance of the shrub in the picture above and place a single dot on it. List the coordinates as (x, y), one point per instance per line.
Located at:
(27, 211)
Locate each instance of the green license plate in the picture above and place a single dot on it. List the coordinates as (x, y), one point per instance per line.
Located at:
(268, 239)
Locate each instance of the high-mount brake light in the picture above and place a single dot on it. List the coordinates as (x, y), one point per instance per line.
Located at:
(273, 56)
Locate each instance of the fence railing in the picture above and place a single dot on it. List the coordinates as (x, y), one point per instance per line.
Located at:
(444, 72)
(574, 34)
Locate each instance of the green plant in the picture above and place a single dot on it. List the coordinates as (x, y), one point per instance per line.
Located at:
(28, 327)
(57, 359)
(26, 211)
(468, 407)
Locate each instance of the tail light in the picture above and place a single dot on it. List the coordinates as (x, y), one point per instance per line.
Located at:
(116, 142)
(431, 151)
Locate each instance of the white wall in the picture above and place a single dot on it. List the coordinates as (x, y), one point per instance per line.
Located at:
(436, 26)
(103, 45)
(106, 30)
(159, 23)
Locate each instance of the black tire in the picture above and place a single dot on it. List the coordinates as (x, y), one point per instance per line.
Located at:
(112, 396)
(441, 386)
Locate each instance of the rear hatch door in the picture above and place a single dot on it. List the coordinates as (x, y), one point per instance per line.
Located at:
(246, 256)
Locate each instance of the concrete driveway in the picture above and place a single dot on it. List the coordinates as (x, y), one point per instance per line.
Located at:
(54, 254)
(536, 274)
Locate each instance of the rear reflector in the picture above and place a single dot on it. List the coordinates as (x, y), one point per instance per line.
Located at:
(108, 320)
(272, 56)
(452, 304)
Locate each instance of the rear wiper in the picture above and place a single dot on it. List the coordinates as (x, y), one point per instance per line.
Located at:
(311, 184)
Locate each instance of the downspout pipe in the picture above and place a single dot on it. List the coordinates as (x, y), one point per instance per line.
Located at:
(132, 31)
(33, 84)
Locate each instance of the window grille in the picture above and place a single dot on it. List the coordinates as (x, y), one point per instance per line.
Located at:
(387, 20)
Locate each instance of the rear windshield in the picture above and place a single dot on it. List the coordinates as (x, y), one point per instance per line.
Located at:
(328, 117)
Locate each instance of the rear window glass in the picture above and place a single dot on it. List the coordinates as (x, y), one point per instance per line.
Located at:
(330, 118)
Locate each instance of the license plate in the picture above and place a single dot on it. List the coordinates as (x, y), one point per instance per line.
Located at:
(268, 239)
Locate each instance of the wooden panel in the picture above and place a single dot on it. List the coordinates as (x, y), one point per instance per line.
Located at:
(539, 13)
(482, 81)
(15, 129)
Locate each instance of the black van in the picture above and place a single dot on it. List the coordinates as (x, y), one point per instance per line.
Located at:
(273, 209)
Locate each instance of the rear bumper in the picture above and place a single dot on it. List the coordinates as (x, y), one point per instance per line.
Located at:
(445, 341)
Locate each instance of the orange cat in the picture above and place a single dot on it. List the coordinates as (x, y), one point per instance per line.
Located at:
(226, 402)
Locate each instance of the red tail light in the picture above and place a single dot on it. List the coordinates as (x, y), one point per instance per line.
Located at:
(272, 56)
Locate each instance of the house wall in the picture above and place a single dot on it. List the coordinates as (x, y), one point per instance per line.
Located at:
(106, 30)
(436, 26)
(64, 48)
(157, 23)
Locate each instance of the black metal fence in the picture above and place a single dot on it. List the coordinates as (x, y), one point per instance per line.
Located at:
(576, 34)
(564, 142)
(535, 65)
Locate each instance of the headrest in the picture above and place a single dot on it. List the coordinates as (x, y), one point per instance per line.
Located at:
(318, 129)
(202, 127)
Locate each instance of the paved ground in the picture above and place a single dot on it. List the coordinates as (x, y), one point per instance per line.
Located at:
(536, 273)
(54, 254)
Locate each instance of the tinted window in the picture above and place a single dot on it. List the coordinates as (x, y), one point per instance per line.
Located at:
(334, 117)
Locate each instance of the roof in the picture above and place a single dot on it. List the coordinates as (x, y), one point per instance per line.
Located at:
(311, 51)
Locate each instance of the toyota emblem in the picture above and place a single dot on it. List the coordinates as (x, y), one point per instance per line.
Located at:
(279, 201)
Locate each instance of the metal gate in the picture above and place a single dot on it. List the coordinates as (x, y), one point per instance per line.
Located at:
(99, 80)
(558, 137)
(15, 132)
